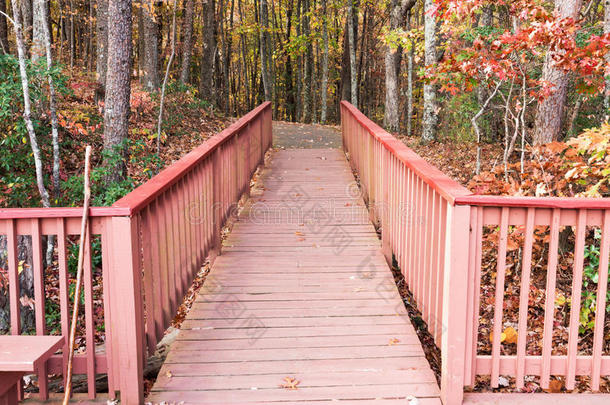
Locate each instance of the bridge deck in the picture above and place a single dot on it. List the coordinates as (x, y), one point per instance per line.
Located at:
(301, 296)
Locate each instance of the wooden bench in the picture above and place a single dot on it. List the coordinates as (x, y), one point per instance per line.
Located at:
(20, 355)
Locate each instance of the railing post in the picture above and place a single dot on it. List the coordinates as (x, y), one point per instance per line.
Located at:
(125, 297)
(454, 317)
(384, 215)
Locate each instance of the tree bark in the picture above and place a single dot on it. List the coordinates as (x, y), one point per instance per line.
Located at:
(308, 82)
(187, 41)
(410, 60)
(26, 19)
(607, 92)
(101, 38)
(430, 121)
(118, 86)
(264, 49)
(550, 114)
(206, 84)
(44, 195)
(150, 59)
(398, 10)
(324, 86)
(39, 11)
(4, 44)
(352, 53)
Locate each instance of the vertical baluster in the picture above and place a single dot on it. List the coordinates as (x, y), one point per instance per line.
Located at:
(64, 303)
(89, 324)
(436, 278)
(158, 253)
(39, 299)
(499, 298)
(600, 305)
(427, 252)
(471, 310)
(173, 250)
(440, 328)
(409, 225)
(148, 251)
(189, 263)
(478, 253)
(111, 343)
(166, 256)
(579, 250)
(549, 302)
(13, 276)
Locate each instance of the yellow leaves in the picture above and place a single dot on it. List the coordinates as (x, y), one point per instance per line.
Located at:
(393, 342)
(24, 140)
(509, 336)
(560, 300)
(168, 374)
(290, 383)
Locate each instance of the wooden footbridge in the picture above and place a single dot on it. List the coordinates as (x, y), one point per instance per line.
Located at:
(300, 305)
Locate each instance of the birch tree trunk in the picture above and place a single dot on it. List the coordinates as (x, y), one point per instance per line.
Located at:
(101, 38)
(118, 86)
(150, 60)
(352, 53)
(607, 93)
(187, 41)
(264, 51)
(27, 112)
(39, 11)
(430, 120)
(324, 86)
(4, 44)
(52, 99)
(550, 114)
(206, 84)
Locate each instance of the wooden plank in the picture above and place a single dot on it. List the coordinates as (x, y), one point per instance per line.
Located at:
(309, 296)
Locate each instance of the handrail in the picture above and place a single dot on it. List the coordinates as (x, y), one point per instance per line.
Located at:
(455, 193)
(139, 197)
(446, 186)
(437, 232)
(152, 242)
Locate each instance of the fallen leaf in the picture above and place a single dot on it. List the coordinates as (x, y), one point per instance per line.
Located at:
(169, 374)
(290, 383)
(393, 341)
(510, 335)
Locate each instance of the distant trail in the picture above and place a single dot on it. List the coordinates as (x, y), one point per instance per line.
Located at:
(288, 135)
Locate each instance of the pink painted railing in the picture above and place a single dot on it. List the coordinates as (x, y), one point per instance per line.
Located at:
(153, 242)
(435, 230)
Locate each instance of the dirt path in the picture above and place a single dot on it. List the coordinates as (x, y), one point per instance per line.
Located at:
(288, 135)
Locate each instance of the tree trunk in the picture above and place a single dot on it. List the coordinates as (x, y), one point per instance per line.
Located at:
(607, 92)
(118, 86)
(187, 41)
(550, 114)
(44, 195)
(39, 11)
(206, 84)
(26, 20)
(308, 82)
(150, 59)
(352, 53)
(264, 51)
(4, 44)
(101, 38)
(324, 86)
(410, 60)
(393, 56)
(430, 121)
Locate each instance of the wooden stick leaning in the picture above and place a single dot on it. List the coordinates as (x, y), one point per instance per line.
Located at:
(79, 275)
